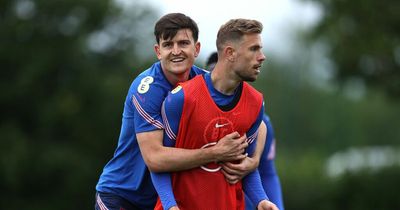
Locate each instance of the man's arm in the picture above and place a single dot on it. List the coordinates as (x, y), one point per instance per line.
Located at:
(163, 185)
(252, 184)
(236, 171)
(254, 190)
(268, 173)
(271, 183)
(260, 144)
(159, 158)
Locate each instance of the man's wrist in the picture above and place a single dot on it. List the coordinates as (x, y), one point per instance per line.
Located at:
(256, 162)
(211, 155)
(173, 207)
(262, 203)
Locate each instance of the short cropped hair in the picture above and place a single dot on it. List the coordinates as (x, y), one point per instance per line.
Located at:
(168, 25)
(234, 30)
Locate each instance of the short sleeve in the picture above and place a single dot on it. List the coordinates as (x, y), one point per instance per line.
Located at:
(146, 97)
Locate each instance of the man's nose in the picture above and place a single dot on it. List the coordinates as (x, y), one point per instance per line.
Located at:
(176, 50)
(262, 57)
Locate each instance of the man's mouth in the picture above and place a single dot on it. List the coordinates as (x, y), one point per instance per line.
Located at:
(177, 60)
(257, 68)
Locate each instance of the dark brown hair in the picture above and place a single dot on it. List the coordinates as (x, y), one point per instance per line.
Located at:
(168, 25)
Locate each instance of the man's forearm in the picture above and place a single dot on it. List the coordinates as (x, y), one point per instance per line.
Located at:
(160, 158)
(170, 159)
(163, 185)
(253, 188)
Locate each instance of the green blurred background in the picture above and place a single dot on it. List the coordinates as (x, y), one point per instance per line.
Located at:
(66, 66)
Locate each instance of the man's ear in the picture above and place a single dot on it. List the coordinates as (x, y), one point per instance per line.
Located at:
(157, 51)
(230, 53)
(197, 47)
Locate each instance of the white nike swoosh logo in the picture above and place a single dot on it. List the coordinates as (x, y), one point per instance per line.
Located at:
(220, 125)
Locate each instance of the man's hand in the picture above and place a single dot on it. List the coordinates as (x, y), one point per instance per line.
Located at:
(234, 172)
(174, 208)
(266, 205)
(231, 147)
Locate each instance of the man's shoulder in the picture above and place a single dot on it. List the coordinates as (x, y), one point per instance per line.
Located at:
(192, 87)
(151, 75)
(252, 92)
(175, 97)
(150, 80)
(251, 88)
(197, 71)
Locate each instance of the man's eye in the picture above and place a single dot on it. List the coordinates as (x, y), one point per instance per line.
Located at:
(254, 48)
(185, 43)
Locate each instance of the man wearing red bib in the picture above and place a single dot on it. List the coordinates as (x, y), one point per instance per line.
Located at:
(199, 112)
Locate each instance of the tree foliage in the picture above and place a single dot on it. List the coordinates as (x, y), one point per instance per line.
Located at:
(65, 70)
(313, 123)
(363, 41)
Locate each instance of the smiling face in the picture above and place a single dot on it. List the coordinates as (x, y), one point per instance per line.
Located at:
(248, 57)
(177, 54)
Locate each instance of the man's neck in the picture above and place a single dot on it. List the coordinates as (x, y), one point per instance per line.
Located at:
(223, 81)
(174, 79)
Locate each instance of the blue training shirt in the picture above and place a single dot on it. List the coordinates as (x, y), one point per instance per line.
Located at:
(172, 111)
(126, 174)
